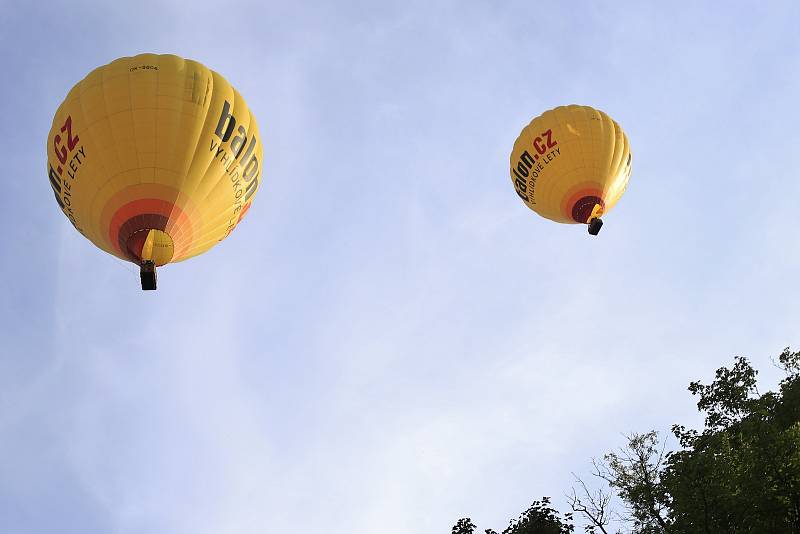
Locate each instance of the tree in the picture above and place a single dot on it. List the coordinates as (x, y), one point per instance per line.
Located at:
(742, 473)
(635, 472)
(539, 518)
(464, 526)
(593, 506)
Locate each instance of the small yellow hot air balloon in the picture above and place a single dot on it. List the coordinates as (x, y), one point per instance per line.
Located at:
(154, 159)
(571, 165)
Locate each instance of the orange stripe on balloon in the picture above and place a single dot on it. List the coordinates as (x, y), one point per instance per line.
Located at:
(579, 191)
(182, 238)
(180, 226)
(131, 210)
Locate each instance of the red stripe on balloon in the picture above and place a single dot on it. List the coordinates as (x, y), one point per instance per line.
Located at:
(575, 201)
(137, 212)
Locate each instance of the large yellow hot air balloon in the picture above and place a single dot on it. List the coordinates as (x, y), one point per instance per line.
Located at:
(571, 164)
(154, 159)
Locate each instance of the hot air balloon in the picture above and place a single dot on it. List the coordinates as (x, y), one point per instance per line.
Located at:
(571, 165)
(154, 159)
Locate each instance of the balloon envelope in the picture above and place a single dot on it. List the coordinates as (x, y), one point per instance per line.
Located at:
(154, 157)
(571, 164)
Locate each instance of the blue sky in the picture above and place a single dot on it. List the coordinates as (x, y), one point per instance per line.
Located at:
(392, 340)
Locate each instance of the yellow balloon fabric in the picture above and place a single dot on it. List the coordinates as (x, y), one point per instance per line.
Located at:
(571, 164)
(154, 157)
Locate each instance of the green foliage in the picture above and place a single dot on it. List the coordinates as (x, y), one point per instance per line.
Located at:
(742, 473)
(635, 473)
(464, 526)
(539, 518)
